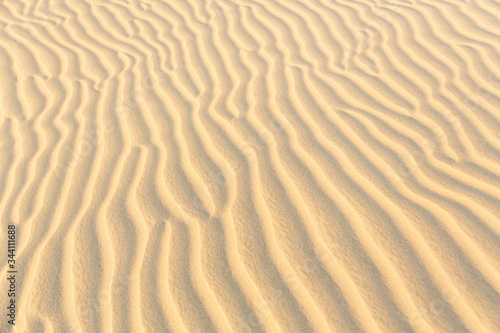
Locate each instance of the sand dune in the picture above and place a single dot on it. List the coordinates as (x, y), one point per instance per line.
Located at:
(251, 165)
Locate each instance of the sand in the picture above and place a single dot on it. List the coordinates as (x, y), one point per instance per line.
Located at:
(250, 165)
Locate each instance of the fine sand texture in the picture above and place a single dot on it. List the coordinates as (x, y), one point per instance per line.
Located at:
(251, 165)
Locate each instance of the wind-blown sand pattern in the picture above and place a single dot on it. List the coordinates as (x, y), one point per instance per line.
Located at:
(251, 165)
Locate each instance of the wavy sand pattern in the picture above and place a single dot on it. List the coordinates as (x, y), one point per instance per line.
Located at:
(252, 165)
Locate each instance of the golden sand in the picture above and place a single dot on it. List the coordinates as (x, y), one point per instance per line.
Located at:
(251, 165)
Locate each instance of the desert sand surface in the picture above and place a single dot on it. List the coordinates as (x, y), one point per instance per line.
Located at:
(250, 165)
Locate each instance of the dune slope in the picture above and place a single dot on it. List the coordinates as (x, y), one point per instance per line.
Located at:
(251, 165)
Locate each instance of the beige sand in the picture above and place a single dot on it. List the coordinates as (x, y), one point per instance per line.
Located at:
(251, 165)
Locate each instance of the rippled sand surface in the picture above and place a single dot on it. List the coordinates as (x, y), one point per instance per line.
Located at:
(251, 165)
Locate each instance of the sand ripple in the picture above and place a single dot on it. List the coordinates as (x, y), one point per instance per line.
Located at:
(252, 165)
